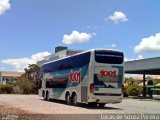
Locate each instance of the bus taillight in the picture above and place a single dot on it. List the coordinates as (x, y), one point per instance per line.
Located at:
(123, 88)
(91, 88)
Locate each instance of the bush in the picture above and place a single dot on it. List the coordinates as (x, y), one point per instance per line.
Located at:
(6, 89)
(25, 86)
(133, 89)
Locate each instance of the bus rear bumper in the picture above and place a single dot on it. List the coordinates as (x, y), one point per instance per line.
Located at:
(106, 99)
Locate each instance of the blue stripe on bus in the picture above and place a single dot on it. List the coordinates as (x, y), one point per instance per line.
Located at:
(59, 91)
(120, 75)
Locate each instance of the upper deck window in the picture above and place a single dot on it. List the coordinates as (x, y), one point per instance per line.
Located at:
(108, 56)
(67, 63)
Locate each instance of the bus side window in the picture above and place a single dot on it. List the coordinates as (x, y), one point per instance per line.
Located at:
(39, 84)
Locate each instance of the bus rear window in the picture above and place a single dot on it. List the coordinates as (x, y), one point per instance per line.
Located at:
(108, 56)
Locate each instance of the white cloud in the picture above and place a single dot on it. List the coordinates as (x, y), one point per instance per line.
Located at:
(2, 68)
(150, 44)
(4, 6)
(113, 45)
(117, 17)
(125, 59)
(138, 58)
(20, 63)
(39, 56)
(76, 37)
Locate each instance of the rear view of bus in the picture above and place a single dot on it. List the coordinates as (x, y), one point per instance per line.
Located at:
(107, 72)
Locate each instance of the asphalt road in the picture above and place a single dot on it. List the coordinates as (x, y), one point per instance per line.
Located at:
(36, 105)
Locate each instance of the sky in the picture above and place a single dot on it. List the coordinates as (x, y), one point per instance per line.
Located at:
(31, 29)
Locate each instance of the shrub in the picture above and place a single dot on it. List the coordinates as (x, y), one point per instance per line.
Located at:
(133, 89)
(25, 86)
(6, 89)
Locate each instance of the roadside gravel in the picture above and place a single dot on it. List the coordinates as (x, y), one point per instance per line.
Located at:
(33, 104)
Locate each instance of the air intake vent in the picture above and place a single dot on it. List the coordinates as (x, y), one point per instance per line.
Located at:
(84, 90)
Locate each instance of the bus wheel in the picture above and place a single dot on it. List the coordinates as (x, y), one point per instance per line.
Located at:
(47, 96)
(43, 95)
(68, 99)
(74, 99)
(101, 104)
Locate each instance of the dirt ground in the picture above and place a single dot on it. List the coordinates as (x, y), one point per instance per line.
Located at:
(28, 107)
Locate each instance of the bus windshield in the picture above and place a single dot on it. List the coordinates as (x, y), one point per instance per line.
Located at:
(108, 56)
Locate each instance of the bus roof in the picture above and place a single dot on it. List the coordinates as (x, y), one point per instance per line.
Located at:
(91, 50)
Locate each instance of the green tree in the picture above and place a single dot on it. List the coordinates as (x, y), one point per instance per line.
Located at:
(32, 72)
(131, 81)
(133, 89)
(28, 82)
(25, 85)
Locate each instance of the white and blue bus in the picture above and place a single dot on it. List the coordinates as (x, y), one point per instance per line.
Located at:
(94, 77)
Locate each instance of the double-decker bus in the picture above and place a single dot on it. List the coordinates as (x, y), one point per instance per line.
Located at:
(94, 77)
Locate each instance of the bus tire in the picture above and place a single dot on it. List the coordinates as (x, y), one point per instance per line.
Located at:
(43, 95)
(101, 104)
(47, 96)
(68, 99)
(74, 99)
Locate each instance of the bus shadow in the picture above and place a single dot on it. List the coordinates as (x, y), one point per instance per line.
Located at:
(97, 107)
(86, 106)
